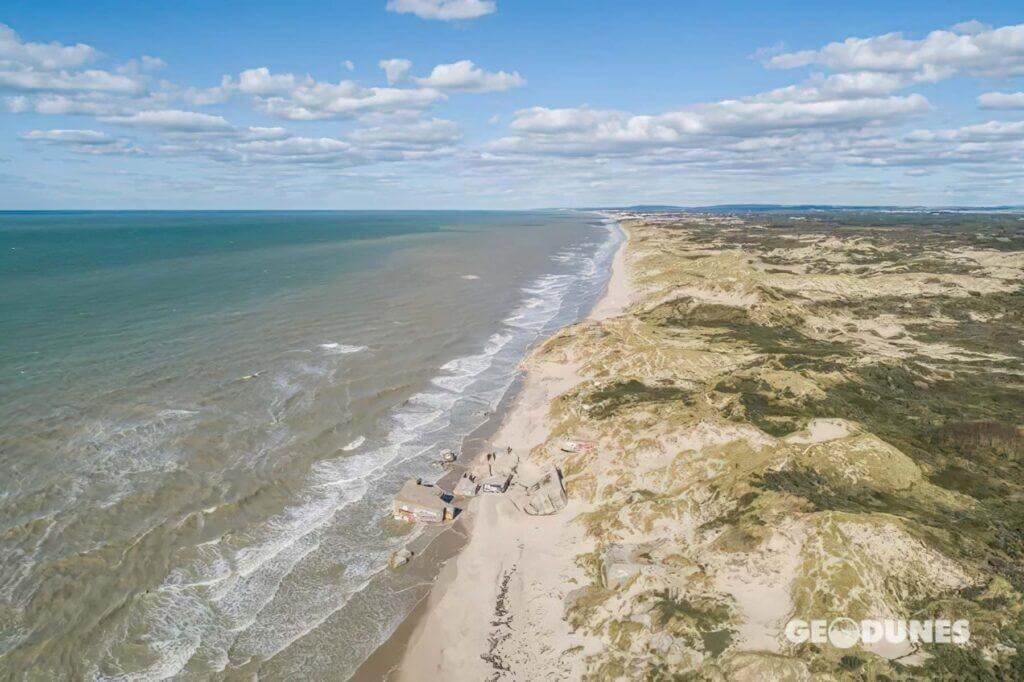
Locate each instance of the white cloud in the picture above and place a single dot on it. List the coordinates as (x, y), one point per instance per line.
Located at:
(302, 98)
(827, 128)
(979, 132)
(143, 64)
(67, 136)
(542, 120)
(201, 97)
(83, 141)
(49, 79)
(30, 79)
(346, 99)
(45, 56)
(990, 146)
(152, 63)
(53, 67)
(465, 76)
(174, 120)
(851, 85)
(971, 27)
(300, 150)
(88, 104)
(261, 82)
(395, 69)
(349, 65)
(1001, 100)
(584, 131)
(420, 136)
(445, 10)
(980, 51)
(261, 133)
(288, 96)
(378, 144)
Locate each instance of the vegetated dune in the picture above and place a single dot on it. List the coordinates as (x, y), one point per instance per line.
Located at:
(807, 419)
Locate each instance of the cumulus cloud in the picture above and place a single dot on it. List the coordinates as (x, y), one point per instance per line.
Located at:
(262, 83)
(143, 64)
(584, 131)
(262, 133)
(421, 136)
(393, 142)
(444, 10)
(979, 132)
(1001, 100)
(56, 79)
(971, 27)
(46, 56)
(30, 79)
(970, 48)
(54, 67)
(465, 76)
(303, 98)
(982, 145)
(87, 104)
(848, 114)
(843, 86)
(346, 99)
(174, 120)
(83, 141)
(395, 69)
(152, 63)
(316, 150)
(202, 97)
(67, 136)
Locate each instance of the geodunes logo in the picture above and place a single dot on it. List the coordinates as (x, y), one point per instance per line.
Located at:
(844, 633)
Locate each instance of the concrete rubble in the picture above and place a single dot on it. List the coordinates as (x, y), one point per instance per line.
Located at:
(418, 502)
(544, 496)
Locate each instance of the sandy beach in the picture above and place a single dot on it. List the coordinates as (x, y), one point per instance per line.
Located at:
(502, 568)
(490, 340)
(721, 407)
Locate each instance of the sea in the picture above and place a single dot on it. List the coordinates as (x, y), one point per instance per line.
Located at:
(204, 417)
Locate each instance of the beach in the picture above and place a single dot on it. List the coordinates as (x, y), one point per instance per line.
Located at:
(743, 441)
(507, 567)
(749, 425)
(214, 411)
(485, 340)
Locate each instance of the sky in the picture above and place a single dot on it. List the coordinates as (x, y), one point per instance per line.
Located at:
(504, 104)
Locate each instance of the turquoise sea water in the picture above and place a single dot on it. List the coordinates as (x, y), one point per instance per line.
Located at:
(203, 417)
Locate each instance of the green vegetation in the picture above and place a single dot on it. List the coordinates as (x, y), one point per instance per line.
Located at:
(997, 622)
(706, 618)
(960, 422)
(605, 402)
(959, 429)
(731, 324)
(669, 606)
(907, 327)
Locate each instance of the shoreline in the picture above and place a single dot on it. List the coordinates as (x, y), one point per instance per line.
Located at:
(725, 474)
(420, 635)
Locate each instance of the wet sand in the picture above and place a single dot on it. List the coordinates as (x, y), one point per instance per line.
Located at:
(478, 563)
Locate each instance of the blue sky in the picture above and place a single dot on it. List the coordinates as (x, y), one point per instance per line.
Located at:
(507, 104)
